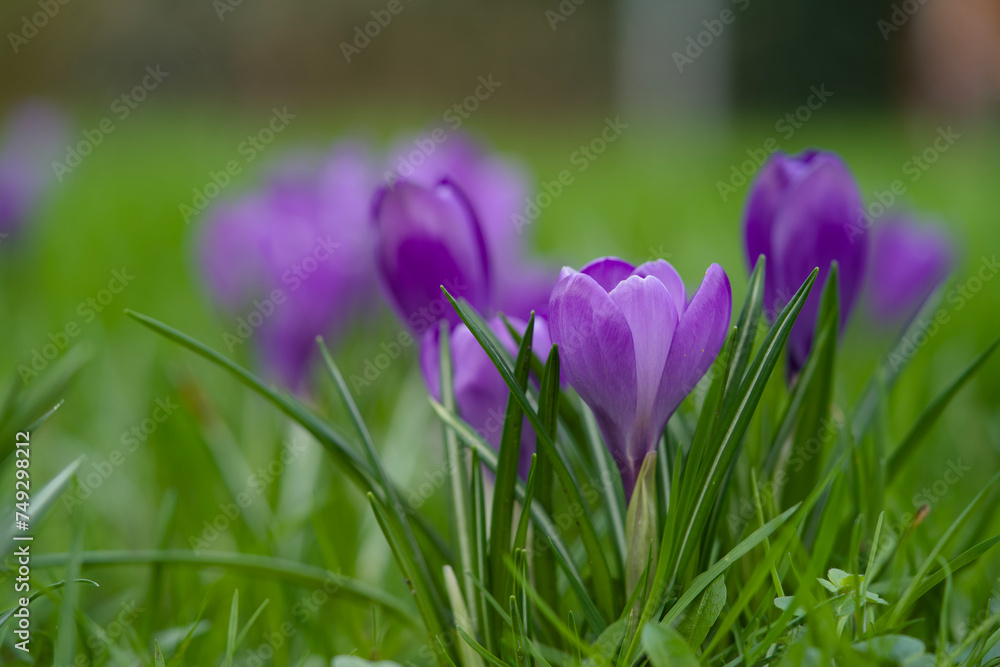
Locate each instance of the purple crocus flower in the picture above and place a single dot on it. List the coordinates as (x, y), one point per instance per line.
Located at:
(634, 347)
(908, 261)
(291, 260)
(34, 133)
(426, 238)
(805, 211)
(497, 190)
(480, 393)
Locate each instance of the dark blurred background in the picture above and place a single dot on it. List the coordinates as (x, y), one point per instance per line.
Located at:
(553, 56)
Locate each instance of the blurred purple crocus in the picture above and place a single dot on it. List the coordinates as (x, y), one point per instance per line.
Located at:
(429, 237)
(480, 393)
(497, 190)
(634, 347)
(805, 211)
(34, 132)
(291, 260)
(908, 261)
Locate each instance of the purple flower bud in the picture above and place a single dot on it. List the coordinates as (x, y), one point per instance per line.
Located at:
(803, 212)
(291, 261)
(634, 347)
(498, 190)
(426, 238)
(480, 393)
(34, 133)
(908, 262)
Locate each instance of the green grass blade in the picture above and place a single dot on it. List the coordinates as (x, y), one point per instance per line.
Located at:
(418, 586)
(462, 618)
(892, 364)
(909, 594)
(342, 450)
(923, 425)
(234, 625)
(478, 648)
(388, 487)
(543, 521)
(458, 486)
(548, 411)
(502, 515)
(65, 641)
(333, 440)
(588, 534)
(253, 565)
(253, 617)
(40, 505)
(705, 579)
(696, 505)
(964, 559)
(747, 323)
(6, 616)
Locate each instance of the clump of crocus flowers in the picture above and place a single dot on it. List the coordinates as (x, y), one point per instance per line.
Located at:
(632, 343)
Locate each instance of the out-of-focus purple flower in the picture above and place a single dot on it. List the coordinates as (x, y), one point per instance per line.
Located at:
(34, 132)
(633, 346)
(497, 190)
(802, 213)
(480, 393)
(426, 238)
(292, 260)
(908, 261)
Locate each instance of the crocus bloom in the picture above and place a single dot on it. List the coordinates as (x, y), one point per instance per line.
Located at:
(498, 190)
(480, 393)
(291, 260)
(908, 261)
(34, 133)
(633, 346)
(803, 212)
(426, 238)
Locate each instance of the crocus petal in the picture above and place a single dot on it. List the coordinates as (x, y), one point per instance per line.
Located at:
(481, 395)
(33, 136)
(496, 187)
(526, 289)
(776, 179)
(597, 353)
(608, 271)
(651, 316)
(299, 236)
(428, 238)
(908, 261)
(698, 339)
(828, 200)
(667, 275)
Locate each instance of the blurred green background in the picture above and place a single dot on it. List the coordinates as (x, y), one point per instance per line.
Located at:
(655, 192)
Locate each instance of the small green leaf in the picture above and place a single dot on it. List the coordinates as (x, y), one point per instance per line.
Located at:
(701, 616)
(666, 648)
(607, 644)
(158, 655)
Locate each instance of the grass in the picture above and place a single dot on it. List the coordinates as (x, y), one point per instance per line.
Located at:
(138, 501)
